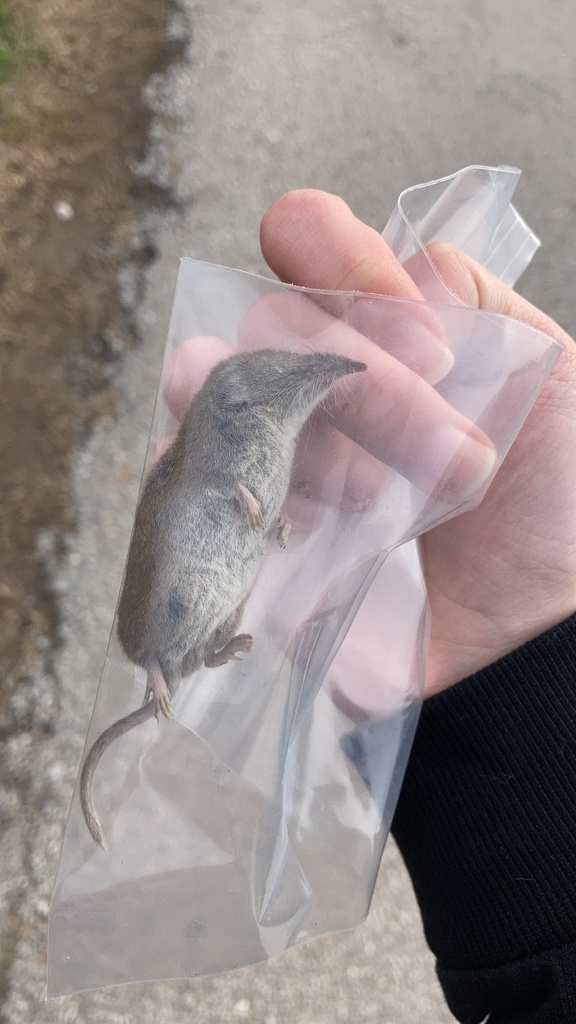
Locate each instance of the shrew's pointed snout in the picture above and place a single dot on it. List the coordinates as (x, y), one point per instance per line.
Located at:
(357, 367)
(339, 366)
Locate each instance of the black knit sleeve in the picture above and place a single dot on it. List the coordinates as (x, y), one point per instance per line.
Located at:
(486, 824)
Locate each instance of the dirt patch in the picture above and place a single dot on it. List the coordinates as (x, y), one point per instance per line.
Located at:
(71, 124)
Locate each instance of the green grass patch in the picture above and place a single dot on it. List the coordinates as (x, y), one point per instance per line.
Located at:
(14, 50)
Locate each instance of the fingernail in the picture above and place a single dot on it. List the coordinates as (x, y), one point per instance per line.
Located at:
(452, 465)
(441, 367)
(427, 355)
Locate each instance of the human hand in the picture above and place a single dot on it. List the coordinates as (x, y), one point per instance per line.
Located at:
(506, 571)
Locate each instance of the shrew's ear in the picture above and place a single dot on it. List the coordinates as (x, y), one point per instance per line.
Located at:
(233, 390)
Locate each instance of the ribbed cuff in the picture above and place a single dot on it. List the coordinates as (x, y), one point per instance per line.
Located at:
(486, 820)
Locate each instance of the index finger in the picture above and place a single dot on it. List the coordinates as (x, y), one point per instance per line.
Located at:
(312, 239)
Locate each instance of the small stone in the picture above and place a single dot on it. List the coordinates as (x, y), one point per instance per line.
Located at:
(128, 281)
(60, 585)
(45, 543)
(55, 771)
(63, 210)
(241, 1008)
(177, 31)
(42, 908)
(114, 345)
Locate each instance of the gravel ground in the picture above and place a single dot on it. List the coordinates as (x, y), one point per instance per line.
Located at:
(273, 96)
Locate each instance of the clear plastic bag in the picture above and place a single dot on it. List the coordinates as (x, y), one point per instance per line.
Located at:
(256, 817)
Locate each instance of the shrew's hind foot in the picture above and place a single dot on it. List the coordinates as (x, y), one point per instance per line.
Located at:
(241, 644)
(284, 528)
(157, 689)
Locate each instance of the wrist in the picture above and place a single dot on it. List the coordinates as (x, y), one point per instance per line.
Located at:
(452, 660)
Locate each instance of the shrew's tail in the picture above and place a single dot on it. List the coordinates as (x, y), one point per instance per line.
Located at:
(113, 732)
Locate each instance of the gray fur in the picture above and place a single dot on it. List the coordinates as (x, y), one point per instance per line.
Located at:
(196, 550)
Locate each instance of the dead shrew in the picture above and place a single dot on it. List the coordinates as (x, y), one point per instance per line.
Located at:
(203, 524)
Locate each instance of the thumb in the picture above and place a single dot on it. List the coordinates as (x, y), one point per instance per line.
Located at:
(478, 288)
